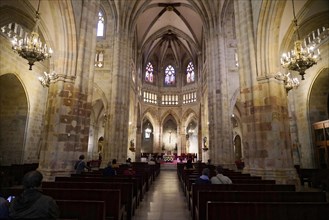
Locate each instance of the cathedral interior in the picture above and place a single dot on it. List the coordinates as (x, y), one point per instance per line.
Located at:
(231, 81)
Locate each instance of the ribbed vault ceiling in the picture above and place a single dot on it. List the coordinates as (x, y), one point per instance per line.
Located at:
(169, 30)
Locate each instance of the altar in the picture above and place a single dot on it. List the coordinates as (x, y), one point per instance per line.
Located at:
(168, 158)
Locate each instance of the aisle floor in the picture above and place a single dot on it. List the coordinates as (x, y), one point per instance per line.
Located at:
(165, 200)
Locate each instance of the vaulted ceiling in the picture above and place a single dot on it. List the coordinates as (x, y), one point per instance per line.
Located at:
(169, 30)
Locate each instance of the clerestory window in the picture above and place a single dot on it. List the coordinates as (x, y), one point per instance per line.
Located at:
(100, 24)
(149, 73)
(170, 76)
(190, 76)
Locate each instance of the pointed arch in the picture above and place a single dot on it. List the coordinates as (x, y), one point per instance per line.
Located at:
(14, 114)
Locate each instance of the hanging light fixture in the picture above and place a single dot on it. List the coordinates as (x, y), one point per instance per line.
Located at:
(289, 82)
(48, 78)
(304, 55)
(30, 46)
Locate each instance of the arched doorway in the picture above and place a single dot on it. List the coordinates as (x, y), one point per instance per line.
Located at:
(237, 148)
(13, 119)
(169, 135)
(192, 138)
(147, 139)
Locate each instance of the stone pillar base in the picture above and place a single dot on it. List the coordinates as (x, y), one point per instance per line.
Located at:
(281, 176)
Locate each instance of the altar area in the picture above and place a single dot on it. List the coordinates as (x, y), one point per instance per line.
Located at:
(168, 158)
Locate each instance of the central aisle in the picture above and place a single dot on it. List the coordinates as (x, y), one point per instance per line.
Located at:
(164, 201)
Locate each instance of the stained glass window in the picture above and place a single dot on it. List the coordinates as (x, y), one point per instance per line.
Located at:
(100, 24)
(190, 77)
(149, 73)
(170, 78)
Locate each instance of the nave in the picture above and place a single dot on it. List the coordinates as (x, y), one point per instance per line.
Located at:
(165, 200)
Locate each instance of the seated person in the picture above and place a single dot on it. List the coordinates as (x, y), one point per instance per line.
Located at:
(129, 171)
(32, 204)
(109, 171)
(204, 178)
(115, 164)
(220, 178)
(189, 165)
(128, 161)
(4, 207)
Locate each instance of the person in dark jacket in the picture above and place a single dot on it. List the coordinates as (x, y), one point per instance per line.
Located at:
(204, 178)
(109, 171)
(4, 208)
(32, 203)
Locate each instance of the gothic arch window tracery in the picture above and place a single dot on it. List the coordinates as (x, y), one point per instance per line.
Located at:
(101, 24)
(149, 73)
(170, 75)
(190, 76)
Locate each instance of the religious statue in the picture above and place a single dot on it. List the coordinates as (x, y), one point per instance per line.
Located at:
(132, 145)
(205, 148)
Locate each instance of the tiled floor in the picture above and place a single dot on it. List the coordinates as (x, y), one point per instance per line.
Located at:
(165, 200)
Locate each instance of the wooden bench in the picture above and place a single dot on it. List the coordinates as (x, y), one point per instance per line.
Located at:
(255, 196)
(267, 211)
(235, 187)
(81, 209)
(136, 181)
(114, 209)
(125, 188)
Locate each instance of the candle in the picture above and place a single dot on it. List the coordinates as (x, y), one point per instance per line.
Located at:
(313, 35)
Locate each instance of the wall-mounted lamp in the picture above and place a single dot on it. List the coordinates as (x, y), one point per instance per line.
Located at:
(289, 82)
(46, 79)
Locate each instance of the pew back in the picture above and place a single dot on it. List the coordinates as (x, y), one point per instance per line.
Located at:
(267, 210)
(81, 209)
(252, 196)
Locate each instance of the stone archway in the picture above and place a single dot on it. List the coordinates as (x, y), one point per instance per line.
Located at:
(13, 119)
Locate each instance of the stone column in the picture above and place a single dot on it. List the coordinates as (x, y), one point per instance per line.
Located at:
(67, 118)
(267, 147)
(219, 140)
(118, 108)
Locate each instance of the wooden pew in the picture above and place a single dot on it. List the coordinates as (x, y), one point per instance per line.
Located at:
(112, 198)
(137, 183)
(235, 187)
(114, 209)
(125, 188)
(81, 209)
(235, 182)
(267, 211)
(252, 196)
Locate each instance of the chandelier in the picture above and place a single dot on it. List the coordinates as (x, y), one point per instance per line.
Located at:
(30, 46)
(304, 55)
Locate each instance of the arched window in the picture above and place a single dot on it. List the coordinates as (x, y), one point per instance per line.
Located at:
(190, 77)
(149, 73)
(170, 75)
(100, 24)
